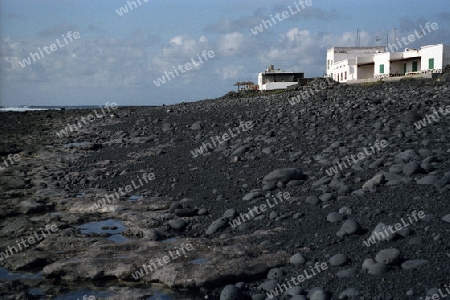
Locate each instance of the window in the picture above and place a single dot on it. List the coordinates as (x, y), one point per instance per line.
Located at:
(414, 66)
(404, 68)
(431, 63)
(382, 69)
(345, 75)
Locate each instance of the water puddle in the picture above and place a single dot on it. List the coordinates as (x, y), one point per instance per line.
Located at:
(7, 275)
(78, 295)
(113, 228)
(36, 292)
(160, 296)
(169, 240)
(135, 198)
(200, 261)
(118, 238)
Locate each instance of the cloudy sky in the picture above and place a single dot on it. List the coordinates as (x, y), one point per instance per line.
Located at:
(119, 55)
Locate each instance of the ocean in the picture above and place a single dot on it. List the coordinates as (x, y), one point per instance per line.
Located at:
(24, 108)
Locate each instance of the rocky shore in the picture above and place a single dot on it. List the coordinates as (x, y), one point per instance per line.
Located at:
(176, 234)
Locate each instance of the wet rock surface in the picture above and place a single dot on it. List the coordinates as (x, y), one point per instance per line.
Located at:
(210, 224)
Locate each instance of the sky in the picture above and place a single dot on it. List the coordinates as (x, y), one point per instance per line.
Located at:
(90, 52)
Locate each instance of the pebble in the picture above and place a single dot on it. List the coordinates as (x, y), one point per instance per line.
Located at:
(297, 259)
(217, 225)
(335, 217)
(388, 256)
(312, 200)
(338, 260)
(268, 285)
(230, 292)
(349, 227)
(414, 264)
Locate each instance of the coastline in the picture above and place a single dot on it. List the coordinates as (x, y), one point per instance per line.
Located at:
(187, 198)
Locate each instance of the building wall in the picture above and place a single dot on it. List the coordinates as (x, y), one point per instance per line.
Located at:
(278, 77)
(276, 85)
(409, 65)
(340, 70)
(352, 72)
(381, 59)
(433, 52)
(365, 72)
(397, 67)
(260, 80)
(446, 59)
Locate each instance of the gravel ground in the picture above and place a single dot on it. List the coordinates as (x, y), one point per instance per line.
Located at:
(289, 149)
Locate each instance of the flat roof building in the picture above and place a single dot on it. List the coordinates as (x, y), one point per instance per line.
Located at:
(272, 79)
(347, 64)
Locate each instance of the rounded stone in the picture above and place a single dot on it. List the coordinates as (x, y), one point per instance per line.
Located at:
(377, 269)
(296, 290)
(230, 213)
(259, 297)
(335, 217)
(268, 285)
(388, 256)
(338, 260)
(275, 273)
(230, 292)
(345, 190)
(216, 226)
(414, 264)
(298, 297)
(312, 200)
(349, 293)
(411, 168)
(178, 225)
(345, 273)
(320, 295)
(297, 259)
(349, 227)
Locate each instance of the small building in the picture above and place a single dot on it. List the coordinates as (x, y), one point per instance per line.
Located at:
(272, 79)
(246, 86)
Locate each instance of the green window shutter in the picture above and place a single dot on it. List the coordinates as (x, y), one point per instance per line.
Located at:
(414, 66)
(431, 63)
(381, 69)
(404, 68)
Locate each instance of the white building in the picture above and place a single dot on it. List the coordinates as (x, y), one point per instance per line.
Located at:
(396, 63)
(272, 79)
(342, 61)
(378, 65)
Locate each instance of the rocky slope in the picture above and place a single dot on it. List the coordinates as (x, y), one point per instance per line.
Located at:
(325, 173)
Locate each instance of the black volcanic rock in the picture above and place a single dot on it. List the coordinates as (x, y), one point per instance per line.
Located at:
(290, 148)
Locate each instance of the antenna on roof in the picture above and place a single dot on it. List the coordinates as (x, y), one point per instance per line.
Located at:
(358, 38)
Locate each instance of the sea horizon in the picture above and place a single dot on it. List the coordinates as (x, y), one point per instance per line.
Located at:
(24, 108)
